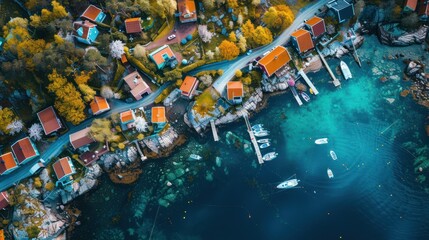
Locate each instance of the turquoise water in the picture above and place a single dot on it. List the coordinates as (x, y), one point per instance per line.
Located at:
(374, 194)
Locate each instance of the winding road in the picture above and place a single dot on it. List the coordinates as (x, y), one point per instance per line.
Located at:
(116, 106)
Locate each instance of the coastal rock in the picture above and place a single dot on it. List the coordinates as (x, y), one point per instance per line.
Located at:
(406, 39)
(405, 93)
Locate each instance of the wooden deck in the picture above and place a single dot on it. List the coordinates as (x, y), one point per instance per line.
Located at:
(336, 82)
(253, 138)
(214, 131)
(309, 83)
(296, 96)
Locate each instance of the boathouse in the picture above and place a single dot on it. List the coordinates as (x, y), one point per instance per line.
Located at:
(316, 25)
(234, 92)
(188, 87)
(343, 9)
(274, 61)
(7, 163)
(302, 41)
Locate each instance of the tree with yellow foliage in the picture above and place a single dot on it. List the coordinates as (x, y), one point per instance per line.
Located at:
(248, 28)
(15, 31)
(232, 3)
(101, 131)
(238, 73)
(232, 37)
(87, 91)
(6, 118)
(279, 17)
(27, 49)
(242, 44)
(83, 77)
(228, 50)
(262, 36)
(47, 16)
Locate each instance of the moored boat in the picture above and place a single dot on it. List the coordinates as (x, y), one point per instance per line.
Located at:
(305, 96)
(269, 156)
(195, 157)
(265, 145)
(345, 69)
(261, 133)
(333, 155)
(257, 127)
(263, 140)
(321, 141)
(291, 183)
(330, 173)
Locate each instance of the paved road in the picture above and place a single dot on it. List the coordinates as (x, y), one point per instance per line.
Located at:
(57, 147)
(232, 66)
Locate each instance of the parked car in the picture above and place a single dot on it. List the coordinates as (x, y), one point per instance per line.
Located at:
(171, 37)
(36, 167)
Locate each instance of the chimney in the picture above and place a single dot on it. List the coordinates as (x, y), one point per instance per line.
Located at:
(276, 57)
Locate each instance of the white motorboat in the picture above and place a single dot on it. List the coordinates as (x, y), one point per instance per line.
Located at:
(345, 69)
(261, 133)
(269, 156)
(321, 141)
(333, 155)
(265, 145)
(305, 96)
(290, 183)
(195, 157)
(330, 173)
(263, 140)
(257, 127)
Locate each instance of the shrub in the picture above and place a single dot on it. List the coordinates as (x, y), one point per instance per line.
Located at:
(50, 186)
(189, 37)
(183, 41)
(193, 66)
(32, 231)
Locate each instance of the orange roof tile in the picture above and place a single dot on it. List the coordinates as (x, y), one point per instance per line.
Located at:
(124, 58)
(23, 149)
(189, 85)
(7, 161)
(274, 60)
(91, 12)
(234, 89)
(49, 120)
(313, 21)
(158, 115)
(157, 56)
(187, 9)
(99, 105)
(303, 38)
(127, 116)
(63, 167)
(132, 25)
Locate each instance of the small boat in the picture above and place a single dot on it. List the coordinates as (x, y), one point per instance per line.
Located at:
(257, 127)
(261, 133)
(333, 155)
(330, 173)
(195, 157)
(263, 140)
(265, 145)
(269, 156)
(345, 69)
(311, 91)
(321, 141)
(305, 96)
(290, 183)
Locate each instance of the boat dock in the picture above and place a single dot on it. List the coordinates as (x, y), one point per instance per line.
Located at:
(336, 82)
(143, 157)
(252, 137)
(214, 131)
(309, 83)
(296, 96)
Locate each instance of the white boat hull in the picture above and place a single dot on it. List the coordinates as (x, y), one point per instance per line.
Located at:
(321, 141)
(345, 69)
(330, 173)
(269, 156)
(333, 155)
(261, 134)
(264, 140)
(288, 184)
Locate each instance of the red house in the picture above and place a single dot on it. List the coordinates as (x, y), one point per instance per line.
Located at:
(410, 5)
(132, 25)
(274, 61)
(7, 163)
(316, 26)
(424, 9)
(24, 150)
(49, 120)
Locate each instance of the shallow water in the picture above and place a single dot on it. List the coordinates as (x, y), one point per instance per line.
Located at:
(374, 194)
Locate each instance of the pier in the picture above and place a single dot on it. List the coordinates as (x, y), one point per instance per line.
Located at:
(252, 137)
(296, 96)
(355, 53)
(309, 83)
(143, 157)
(335, 80)
(214, 131)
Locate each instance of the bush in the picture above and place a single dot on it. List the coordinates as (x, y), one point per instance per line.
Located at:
(50, 186)
(194, 65)
(121, 146)
(37, 182)
(183, 41)
(32, 231)
(189, 37)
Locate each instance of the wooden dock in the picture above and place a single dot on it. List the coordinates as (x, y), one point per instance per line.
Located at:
(355, 53)
(336, 82)
(214, 131)
(253, 138)
(143, 157)
(296, 96)
(309, 83)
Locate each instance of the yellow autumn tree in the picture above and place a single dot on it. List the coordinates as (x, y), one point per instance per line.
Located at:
(232, 37)
(83, 77)
(228, 50)
(262, 36)
(248, 28)
(101, 131)
(279, 17)
(47, 16)
(6, 117)
(87, 91)
(27, 49)
(232, 3)
(15, 31)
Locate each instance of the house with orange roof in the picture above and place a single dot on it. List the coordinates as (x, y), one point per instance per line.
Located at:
(424, 9)
(81, 138)
(410, 5)
(274, 61)
(127, 119)
(85, 31)
(7, 163)
(24, 150)
(64, 169)
(234, 92)
(162, 56)
(343, 9)
(137, 86)
(302, 41)
(189, 86)
(133, 25)
(99, 105)
(4, 200)
(158, 118)
(94, 14)
(49, 120)
(187, 11)
(316, 25)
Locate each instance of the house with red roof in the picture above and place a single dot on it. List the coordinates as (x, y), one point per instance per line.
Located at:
(64, 169)
(410, 5)
(49, 120)
(133, 25)
(99, 105)
(7, 163)
(137, 86)
(127, 119)
(316, 25)
(81, 138)
(158, 118)
(85, 31)
(94, 14)
(24, 150)
(4, 200)
(162, 56)
(275, 62)
(187, 11)
(189, 86)
(423, 8)
(235, 92)
(302, 41)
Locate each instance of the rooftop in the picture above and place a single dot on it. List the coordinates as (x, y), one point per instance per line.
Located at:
(91, 13)
(274, 60)
(132, 25)
(127, 116)
(188, 84)
(23, 149)
(7, 161)
(158, 115)
(63, 167)
(339, 5)
(49, 120)
(303, 39)
(99, 105)
(4, 199)
(234, 89)
(81, 138)
(160, 55)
